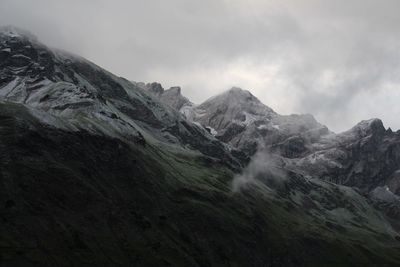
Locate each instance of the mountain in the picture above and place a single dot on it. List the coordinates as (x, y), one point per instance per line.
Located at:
(90, 98)
(241, 120)
(96, 170)
(365, 157)
(172, 98)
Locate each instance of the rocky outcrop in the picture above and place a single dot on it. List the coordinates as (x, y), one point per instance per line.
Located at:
(171, 97)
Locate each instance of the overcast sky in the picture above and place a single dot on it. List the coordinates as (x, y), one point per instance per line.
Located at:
(336, 59)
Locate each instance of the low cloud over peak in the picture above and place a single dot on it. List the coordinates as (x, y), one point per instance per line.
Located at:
(337, 60)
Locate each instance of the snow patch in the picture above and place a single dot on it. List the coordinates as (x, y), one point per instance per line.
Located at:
(212, 130)
(21, 56)
(188, 112)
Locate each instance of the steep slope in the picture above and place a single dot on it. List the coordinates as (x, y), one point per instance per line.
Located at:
(366, 156)
(93, 99)
(77, 198)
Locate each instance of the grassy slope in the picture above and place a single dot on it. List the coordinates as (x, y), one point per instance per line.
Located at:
(79, 199)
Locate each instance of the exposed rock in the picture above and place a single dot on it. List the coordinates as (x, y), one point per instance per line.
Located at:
(171, 97)
(155, 88)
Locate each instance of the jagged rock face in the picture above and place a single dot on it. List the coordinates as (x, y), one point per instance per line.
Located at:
(23, 55)
(374, 157)
(367, 156)
(174, 98)
(155, 88)
(171, 97)
(93, 99)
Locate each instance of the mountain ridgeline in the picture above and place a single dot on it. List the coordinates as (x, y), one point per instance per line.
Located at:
(97, 170)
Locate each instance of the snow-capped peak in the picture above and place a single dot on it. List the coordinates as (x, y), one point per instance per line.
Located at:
(238, 91)
(235, 96)
(368, 127)
(238, 100)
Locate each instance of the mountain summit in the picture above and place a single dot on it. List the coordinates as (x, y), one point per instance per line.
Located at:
(233, 105)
